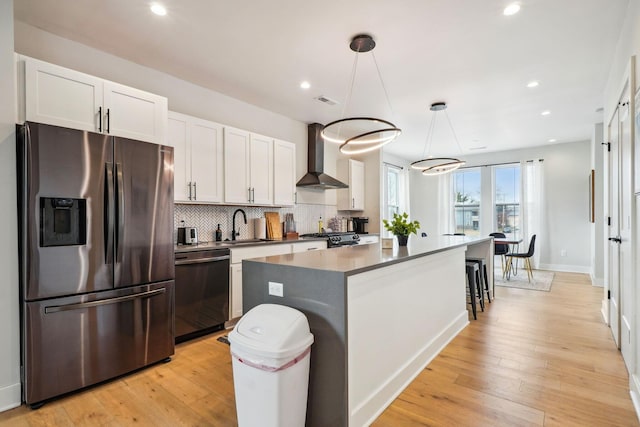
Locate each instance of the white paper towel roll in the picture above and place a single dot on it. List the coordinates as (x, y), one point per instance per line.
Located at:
(260, 228)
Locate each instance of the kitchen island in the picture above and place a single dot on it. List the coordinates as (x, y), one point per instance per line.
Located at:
(379, 316)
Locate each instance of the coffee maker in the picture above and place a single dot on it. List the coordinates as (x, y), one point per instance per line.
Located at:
(359, 224)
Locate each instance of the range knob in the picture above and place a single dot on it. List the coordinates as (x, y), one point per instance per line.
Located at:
(335, 239)
(355, 237)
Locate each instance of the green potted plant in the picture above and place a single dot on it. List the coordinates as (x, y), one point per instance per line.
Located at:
(401, 227)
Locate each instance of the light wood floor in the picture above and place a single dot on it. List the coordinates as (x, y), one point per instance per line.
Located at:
(532, 358)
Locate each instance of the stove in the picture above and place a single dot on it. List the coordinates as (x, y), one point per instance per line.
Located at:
(335, 240)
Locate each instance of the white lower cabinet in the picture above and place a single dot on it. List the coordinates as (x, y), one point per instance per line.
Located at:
(367, 240)
(247, 252)
(315, 245)
(236, 291)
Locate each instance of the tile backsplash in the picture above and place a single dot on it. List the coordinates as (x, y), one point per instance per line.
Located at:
(207, 217)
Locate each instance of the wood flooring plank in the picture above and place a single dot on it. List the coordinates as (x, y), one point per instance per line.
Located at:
(531, 359)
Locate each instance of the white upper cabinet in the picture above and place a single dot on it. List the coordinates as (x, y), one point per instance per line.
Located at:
(248, 168)
(58, 96)
(134, 114)
(284, 173)
(352, 172)
(236, 166)
(261, 169)
(198, 157)
(63, 97)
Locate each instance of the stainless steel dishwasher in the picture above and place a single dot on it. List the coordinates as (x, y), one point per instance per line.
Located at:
(201, 292)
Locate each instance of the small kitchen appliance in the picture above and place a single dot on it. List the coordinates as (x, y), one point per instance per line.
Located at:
(187, 236)
(360, 224)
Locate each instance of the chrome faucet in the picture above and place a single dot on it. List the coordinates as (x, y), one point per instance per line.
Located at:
(233, 222)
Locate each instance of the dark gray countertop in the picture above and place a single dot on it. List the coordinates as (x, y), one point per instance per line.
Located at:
(240, 244)
(360, 258)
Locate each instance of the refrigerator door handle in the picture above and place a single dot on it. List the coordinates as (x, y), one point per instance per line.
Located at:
(109, 214)
(120, 212)
(116, 300)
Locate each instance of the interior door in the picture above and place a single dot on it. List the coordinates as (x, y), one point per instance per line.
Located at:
(625, 227)
(614, 229)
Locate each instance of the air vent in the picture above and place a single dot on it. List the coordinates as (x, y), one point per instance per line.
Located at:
(326, 100)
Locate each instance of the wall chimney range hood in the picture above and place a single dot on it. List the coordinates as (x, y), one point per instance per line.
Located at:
(315, 177)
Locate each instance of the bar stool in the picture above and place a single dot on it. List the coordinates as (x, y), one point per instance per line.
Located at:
(483, 274)
(473, 277)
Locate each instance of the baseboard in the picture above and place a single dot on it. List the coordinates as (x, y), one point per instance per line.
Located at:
(10, 397)
(604, 310)
(634, 390)
(566, 268)
(597, 281)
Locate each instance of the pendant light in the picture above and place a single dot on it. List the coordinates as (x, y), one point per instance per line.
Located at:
(437, 165)
(361, 134)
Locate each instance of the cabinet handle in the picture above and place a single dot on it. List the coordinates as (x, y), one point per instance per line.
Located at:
(253, 195)
(249, 194)
(108, 121)
(100, 119)
(295, 197)
(189, 184)
(353, 202)
(195, 191)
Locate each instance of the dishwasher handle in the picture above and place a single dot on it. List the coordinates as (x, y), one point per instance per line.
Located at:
(202, 260)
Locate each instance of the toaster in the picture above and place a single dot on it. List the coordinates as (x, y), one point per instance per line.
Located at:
(187, 236)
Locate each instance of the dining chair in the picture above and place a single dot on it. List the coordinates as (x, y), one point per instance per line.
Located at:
(501, 249)
(526, 256)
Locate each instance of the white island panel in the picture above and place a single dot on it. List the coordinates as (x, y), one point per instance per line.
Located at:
(399, 319)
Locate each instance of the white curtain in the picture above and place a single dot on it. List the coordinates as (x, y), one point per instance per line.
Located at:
(445, 204)
(403, 177)
(532, 207)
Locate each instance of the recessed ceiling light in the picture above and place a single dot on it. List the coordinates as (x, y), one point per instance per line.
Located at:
(158, 9)
(552, 140)
(305, 85)
(533, 83)
(546, 113)
(512, 9)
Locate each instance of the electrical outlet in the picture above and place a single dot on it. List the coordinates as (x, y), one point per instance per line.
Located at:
(563, 252)
(276, 289)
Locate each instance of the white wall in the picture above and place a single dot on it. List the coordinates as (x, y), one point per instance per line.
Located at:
(597, 228)
(566, 168)
(424, 200)
(9, 329)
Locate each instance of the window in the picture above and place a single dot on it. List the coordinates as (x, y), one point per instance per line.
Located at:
(507, 200)
(467, 189)
(392, 190)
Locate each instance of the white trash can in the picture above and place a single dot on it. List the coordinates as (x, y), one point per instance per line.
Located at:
(270, 352)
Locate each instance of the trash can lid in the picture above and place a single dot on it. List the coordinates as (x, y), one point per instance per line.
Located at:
(272, 330)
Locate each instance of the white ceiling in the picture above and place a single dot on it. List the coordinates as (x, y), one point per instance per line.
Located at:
(464, 52)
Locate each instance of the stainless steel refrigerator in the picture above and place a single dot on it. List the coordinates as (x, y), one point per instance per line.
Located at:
(96, 257)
